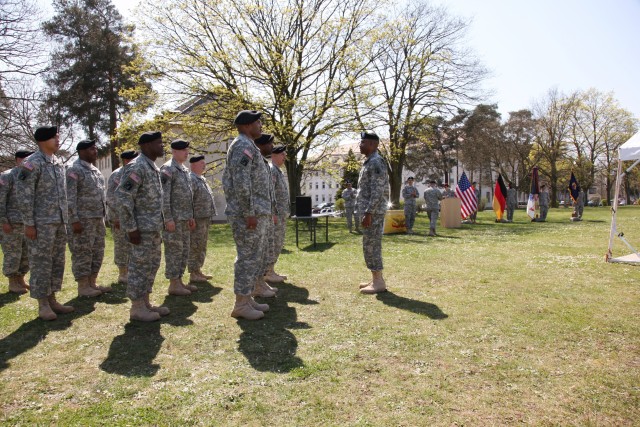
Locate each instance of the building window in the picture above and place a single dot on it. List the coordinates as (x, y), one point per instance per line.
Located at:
(316, 197)
(323, 198)
(311, 186)
(316, 185)
(323, 185)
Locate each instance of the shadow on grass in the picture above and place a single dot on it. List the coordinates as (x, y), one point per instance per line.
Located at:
(320, 247)
(35, 331)
(419, 307)
(9, 297)
(132, 353)
(268, 344)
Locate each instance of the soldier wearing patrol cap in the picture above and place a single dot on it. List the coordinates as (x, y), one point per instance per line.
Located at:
(14, 244)
(432, 197)
(43, 207)
(373, 196)
(410, 194)
(177, 207)
(245, 181)
(204, 209)
(87, 209)
(121, 248)
(349, 196)
(281, 194)
(139, 200)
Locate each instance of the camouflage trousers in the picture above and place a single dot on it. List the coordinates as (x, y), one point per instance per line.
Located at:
(544, 210)
(87, 248)
(276, 239)
(352, 217)
(176, 250)
(14, 248)
(433, 217)
(144, 263)
(251, 248)
(46, 259)
(409, 214)
(198, 247)
(121, 247)
(510, 210)
(372, 243)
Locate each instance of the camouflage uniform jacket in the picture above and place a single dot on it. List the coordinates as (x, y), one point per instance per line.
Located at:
(349, 197)
(432, 197)
(203, 203)
(9, 212)
(43, 191)
(448, 194)
(177, 193)
(410, 194)
(373, 186)
(543, 198)
(139, 196)
(246, 180)
(512, 197)
(112, 184)
(85, 191)
(281, 191)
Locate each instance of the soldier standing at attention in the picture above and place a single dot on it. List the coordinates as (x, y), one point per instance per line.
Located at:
(512, 202)
(373, 196)
(281, 193)
(14, 244)
(245, 181)
(543, 202)
(43, 206)
(139, 200)
(121, 248)
(177, 207)
(410, 194)
(432, 197)
(448, 193)
(87, 209)
(349, 195)
(204, 209)
(579, 205)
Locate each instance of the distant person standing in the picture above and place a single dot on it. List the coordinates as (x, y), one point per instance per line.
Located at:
(543, 202)
(512, 202)
(476, 192)
(410, 194)
(43, 206)
(349, 196)
(448, 193)
(14, 243)
(372, 199)
(204, 209)
(579, 205)
(432, 197)
(121, 247)
(281, 193)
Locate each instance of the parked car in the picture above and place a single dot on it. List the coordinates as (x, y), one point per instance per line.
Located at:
(317, 208)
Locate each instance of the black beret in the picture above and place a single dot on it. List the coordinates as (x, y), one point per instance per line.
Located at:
(369, 135)
(265, 138)
(148, 137)
(246, 117)
(410, 178)
(347, 182)
(129, 154)
(196, 159)
(85, 143)
(179, 144)
(45, 133)
(23, 154)
(433, 181)
(278, 149)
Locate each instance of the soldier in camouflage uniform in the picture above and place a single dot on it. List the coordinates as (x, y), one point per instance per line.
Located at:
(281, 193)
(139, 200)
(204, 209)
(372, 199)
(512, 202)
(43, 206)
(14, 243)
(349, 195)
(177, 207)
(87, 207)
(410, 194)
(579, 205)
(121, 247)
(246, 180)
(476, 192)
(432, 197)
(543, 202)
(448, 193)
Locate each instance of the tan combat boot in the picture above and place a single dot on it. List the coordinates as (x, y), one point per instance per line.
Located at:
(188, 286)
(263, 290)
(256, 305)
(123, 275)
(206, 276)
(432, 232)
(92, 282)
(85, 289)
(176, 288)
(365, 284)
(57, 307)
(139, 311)
(244, 309)
(271, 276)
(378, 284)
(44, 310)
(161, 310)
(15, 286)
(196, 276)
(23, 283)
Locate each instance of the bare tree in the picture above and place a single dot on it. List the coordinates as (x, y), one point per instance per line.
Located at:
(20, 37)
(518, 134)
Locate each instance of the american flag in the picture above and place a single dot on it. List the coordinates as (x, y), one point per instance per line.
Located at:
(467, 196)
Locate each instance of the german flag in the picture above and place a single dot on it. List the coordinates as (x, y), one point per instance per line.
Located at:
(499, 198)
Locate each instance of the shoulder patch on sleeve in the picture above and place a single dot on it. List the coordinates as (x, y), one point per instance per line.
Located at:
(167, 172)
(73, 175)
(2, 181)
(128, 185)
(27, 165)
(244, 161)
(248, 153)
(135, 177)
(23, 174)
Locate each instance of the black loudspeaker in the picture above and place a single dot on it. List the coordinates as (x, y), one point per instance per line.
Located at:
(303, 206)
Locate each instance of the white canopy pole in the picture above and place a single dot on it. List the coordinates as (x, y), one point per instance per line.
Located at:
(614, 210)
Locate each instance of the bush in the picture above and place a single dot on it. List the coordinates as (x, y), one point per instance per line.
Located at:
(339, 206)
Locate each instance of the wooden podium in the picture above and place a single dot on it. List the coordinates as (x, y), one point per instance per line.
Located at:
(450, 213)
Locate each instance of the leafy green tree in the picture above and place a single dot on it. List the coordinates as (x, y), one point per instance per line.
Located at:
(350, 173)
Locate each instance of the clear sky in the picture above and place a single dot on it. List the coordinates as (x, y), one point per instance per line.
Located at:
(531, 46)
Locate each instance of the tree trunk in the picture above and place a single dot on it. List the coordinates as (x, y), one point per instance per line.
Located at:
(395, 180)
(113, 123)
(554, 185)
(294, 174)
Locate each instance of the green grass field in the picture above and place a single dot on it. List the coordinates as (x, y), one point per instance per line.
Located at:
(492, 324)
